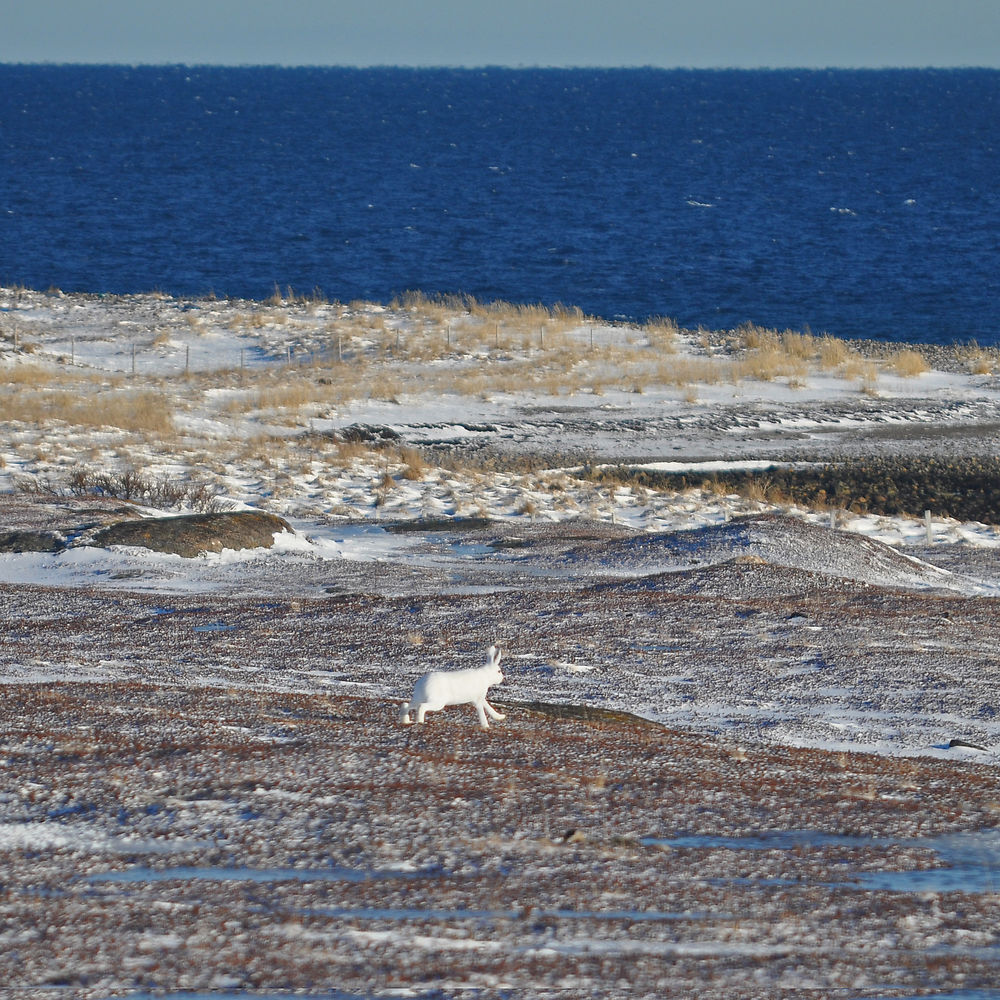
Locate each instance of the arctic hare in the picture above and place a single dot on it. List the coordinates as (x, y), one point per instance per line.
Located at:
(440, 688)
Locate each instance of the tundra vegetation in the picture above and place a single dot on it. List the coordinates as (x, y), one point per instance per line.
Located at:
(309, 360)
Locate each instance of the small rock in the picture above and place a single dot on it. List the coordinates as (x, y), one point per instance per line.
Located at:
(965, 743)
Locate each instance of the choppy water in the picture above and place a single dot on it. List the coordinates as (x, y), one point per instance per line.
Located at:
(862, 203)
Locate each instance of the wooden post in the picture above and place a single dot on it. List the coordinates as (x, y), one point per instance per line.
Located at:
(928, 527)
(187, 359)
(72, 351)
(133, 357)
(340, 347)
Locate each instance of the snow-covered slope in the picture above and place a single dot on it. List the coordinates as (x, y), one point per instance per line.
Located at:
(772, 539)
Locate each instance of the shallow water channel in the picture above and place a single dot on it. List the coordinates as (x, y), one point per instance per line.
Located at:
(186, 873)
(970, 862)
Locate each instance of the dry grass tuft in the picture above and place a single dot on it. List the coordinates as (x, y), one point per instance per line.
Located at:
(768, 363)
(908, 363)
(416, 468)
(799, 345)
(28, 375)
(980, 362)
(141, 410)
(834, 352)
(662, 334)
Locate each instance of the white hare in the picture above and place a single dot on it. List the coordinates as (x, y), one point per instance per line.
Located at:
(440, 688)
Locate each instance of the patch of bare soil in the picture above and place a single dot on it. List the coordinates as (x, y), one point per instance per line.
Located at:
(166, 838)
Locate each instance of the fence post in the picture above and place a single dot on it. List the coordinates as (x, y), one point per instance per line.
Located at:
(928, 527)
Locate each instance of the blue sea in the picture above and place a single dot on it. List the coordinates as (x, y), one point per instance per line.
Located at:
(859, 203)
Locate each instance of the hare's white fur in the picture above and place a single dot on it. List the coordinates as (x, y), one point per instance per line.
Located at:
(440, 688)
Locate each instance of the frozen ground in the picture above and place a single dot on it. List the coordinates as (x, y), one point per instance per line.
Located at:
(225, 724)
(526, 539)
(160, 839)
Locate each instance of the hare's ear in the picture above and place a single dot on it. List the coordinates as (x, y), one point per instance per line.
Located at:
(495, 652)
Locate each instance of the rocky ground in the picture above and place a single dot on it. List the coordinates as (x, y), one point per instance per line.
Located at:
(211, 791)
(160, 837)
(746, 753)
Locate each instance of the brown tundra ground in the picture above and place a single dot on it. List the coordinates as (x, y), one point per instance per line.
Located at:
(212, 793)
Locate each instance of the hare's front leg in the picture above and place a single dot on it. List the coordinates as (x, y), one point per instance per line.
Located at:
(481, 707)
(494, 714)
(422, 709)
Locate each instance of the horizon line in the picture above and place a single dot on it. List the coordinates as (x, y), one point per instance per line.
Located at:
(480, 67)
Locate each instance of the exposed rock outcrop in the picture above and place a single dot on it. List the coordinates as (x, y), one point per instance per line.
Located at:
(31, 541)
(191, 534)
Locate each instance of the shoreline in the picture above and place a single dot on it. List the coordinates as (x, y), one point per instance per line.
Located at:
(946, 356)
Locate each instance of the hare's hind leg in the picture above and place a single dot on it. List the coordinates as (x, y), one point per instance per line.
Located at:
(494, 714)
(422, 709)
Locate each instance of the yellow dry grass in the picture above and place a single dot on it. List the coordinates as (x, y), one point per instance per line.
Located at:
(833, 353)
(768, 363)
(662, 333)
(979, 361)
(490, 349)
(21, 375)
(143, 411)
(908, 363)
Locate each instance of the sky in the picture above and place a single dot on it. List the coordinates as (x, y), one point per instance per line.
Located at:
(668, 33)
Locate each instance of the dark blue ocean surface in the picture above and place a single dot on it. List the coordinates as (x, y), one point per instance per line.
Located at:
(861, 203)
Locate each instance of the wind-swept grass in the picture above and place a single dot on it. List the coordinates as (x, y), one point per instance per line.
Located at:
(908, 363)
(144, 411)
